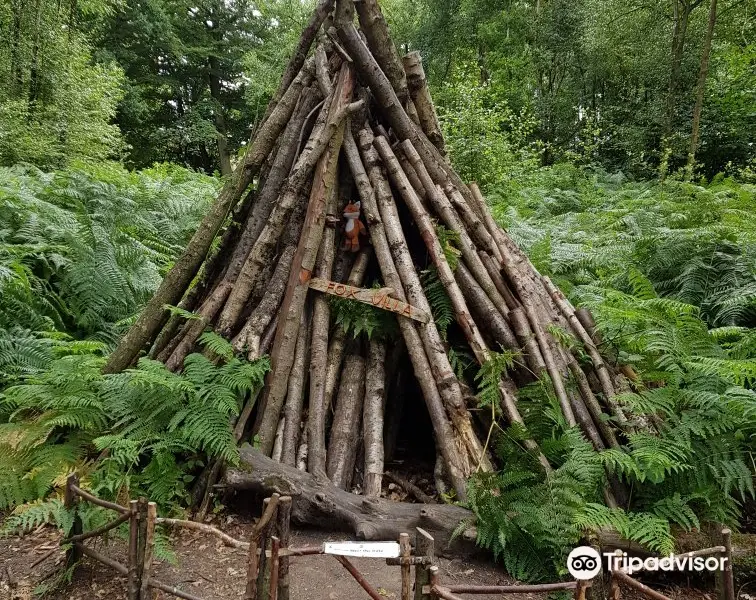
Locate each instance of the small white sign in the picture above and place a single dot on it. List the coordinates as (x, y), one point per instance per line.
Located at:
(369, 549)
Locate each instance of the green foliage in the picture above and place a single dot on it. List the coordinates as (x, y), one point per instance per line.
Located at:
(588, 82)
(661, 267)
(440, 303)
(532, 520)
(81, 250)
(196, 72)
(489, 377)
(57, 105)
(356, 318)
(150, 426)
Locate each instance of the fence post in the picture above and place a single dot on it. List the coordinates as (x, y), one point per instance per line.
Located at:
(728, 583)
(149, 545)
(71, 502)
(264, 573)
(404, 552)
(424, 546)
(581, 588)
(283, 522)
(433, 580)
(275, 546)
(133, 575)
(141, 540)
(614, 590)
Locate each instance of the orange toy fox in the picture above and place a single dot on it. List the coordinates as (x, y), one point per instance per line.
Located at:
(353, 227)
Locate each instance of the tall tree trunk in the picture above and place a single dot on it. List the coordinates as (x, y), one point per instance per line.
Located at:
(224, 155)
(16, 70)
(703, 74)
(681, 11)
(34, 83)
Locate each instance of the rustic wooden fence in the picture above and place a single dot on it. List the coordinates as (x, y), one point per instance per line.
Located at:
(269, 555)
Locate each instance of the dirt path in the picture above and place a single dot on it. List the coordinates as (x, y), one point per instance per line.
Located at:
(213, 571)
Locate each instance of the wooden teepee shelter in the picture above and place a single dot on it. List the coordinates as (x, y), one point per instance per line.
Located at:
(352, 126)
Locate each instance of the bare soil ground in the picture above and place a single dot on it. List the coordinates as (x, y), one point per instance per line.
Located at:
(207, 568)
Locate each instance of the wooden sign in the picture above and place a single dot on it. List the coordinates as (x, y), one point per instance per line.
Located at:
(380, 298)
(368, 549)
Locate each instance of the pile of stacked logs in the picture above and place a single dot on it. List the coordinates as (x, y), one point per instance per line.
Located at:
(350, 142)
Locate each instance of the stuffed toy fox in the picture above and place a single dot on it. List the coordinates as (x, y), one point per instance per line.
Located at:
(353, 227)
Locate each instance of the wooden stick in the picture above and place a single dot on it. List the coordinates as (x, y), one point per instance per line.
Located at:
(70, 502)
(376, 31)
(174, 591)
(577, 327)
(141, 542)
(95, 500)
(275, 546)
(424, 546)
(511, 589)
(373, 417)
(115, 565)
(46, 555)
(266, 527)
(410, 488)
(728, 583)
(133, 574)
(99, 531)
(637, 585)
(346, 563)
(580, 590)
(614, 589)
(405, 551)
(149, 546)
(418, 89)
(283, 528)
(345, 431)
(12, 581)
(278, 440)
(253, 565)
(227, 539)
(295, 396)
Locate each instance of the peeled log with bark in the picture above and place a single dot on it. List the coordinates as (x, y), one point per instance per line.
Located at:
(372, 417)
(295, 395)
(321, 319)
(418, 89)
(345, 432)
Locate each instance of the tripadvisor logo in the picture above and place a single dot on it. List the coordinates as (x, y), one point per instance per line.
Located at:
(584, 562)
